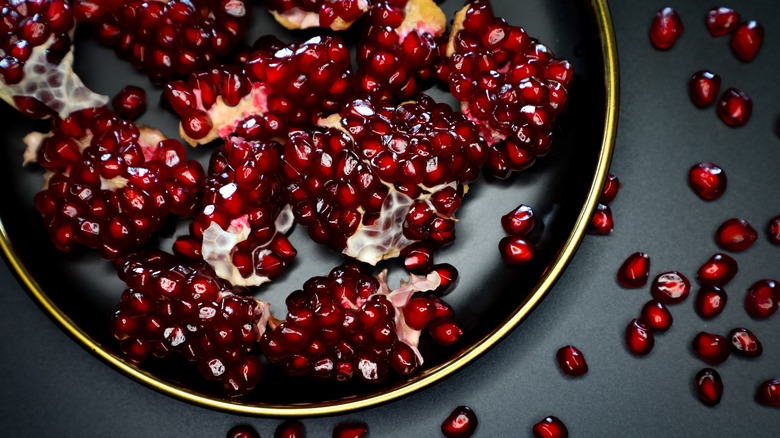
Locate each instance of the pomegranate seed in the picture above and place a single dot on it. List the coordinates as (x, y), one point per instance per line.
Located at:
(515, 250)
(550, 427)
(768, 393)
(666, 28)
(745, 343)
(444, 331)
(130, 102)
(639, 338)
(656, 316)
(419, 312)
(242, 431)
(350, 430)
(709, 386)
(735, 235)
(418, 258)
(602, 220)
(449, 278)
(670, 287)
(519, 222)
(461, 423)
(571, 361)
(710, 301)
(704, 87)
(717, 271)
(707, 180)
(735, 108)
(773, 230)
(762, 299)
(610, 191)
(747, 39)
(711, 348)
(634, 271)
(722, 21)
(290, 429)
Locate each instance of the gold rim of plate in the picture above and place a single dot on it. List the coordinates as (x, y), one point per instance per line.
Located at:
(429, 376)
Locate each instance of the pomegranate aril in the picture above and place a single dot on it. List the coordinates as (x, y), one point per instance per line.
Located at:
(550, 427)
(130, 102)
(639, 338)
(670, 287)
(704, 87)
(444, 331)
(571, 361)
(290, 429)
(602, 222)
(711, 348)
(350, 430)
(721, 21)
(710, 301)
(419, 312)
(762, 299)
(666, 28)
(745, 343)
(709, 386)
(735, 235)
(519, 222)
(461, 423)
(611, 188)
(707, 180)
(516, 250)
(656, 316)
(773, 230)
(418, 258)
(242, 431)
(735, 108)
(718, 270)
(747, 39)
(634, 271)
(449, 278)
(768, 393)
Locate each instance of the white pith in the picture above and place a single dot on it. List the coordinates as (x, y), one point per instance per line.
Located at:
(422, 16)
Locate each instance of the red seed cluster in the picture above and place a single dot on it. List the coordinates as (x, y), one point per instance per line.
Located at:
(336, 14)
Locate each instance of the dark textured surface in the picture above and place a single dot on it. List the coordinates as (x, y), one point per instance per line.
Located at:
(53, 387)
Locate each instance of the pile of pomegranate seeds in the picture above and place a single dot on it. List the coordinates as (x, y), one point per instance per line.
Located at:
(461, 423)
(666, 28)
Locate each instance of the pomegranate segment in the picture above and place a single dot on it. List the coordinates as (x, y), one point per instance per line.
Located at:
(718, 270)
(709, 386)
(550, 427)
(762, 299)
(350, 430)
(611, 188)
(519, 222)
(290, 429)
(768, 393)
(36, 60)
(242, 431)
(602, 222)
(735, 235)
(634, 271)
(507, 83)
(397, 50)
(703, 88)
(639, 338)
(240, 228)
(174, 305)
(773, 230)
(666, 28)
(711, 348)
(461, 423)
(656, 316)
(707, 180)
(571, 361)
(670, 287)
(516, 250)
(747, 39)
(735, 108)
(304, 14)
(745, 343)
(722, 21)
(710, 301)
(109, 184)
(130, 102)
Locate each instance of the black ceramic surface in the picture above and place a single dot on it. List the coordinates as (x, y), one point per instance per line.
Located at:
(86, 289)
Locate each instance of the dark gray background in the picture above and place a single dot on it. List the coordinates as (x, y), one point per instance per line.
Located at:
(53, 387)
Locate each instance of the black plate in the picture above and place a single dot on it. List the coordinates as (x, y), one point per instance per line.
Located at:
(80, 290)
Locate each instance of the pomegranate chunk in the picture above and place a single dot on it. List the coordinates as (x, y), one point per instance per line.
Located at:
(711, 348)
(710, 301)
(735, 235)
(571, 361)
(611, 188)
(550, 427)
(709, 386)
(747, 39)
(461, 423)
(602, 222)
(735, 108)
(722, 21)
(130, 102)
(242, 431)
(507, 83)
(762, 299)
(516, 251)
(745, 343)
(519, 222)
(304, 14)
(666, 28)
(656, 316)
(703, 88)
(707, 180)
(670, 287)
(109, 184)
(181, 306)
(634, 271)
(768, 393)
(718, 270)
(350, 430)
(773, 230)
(639, 338)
